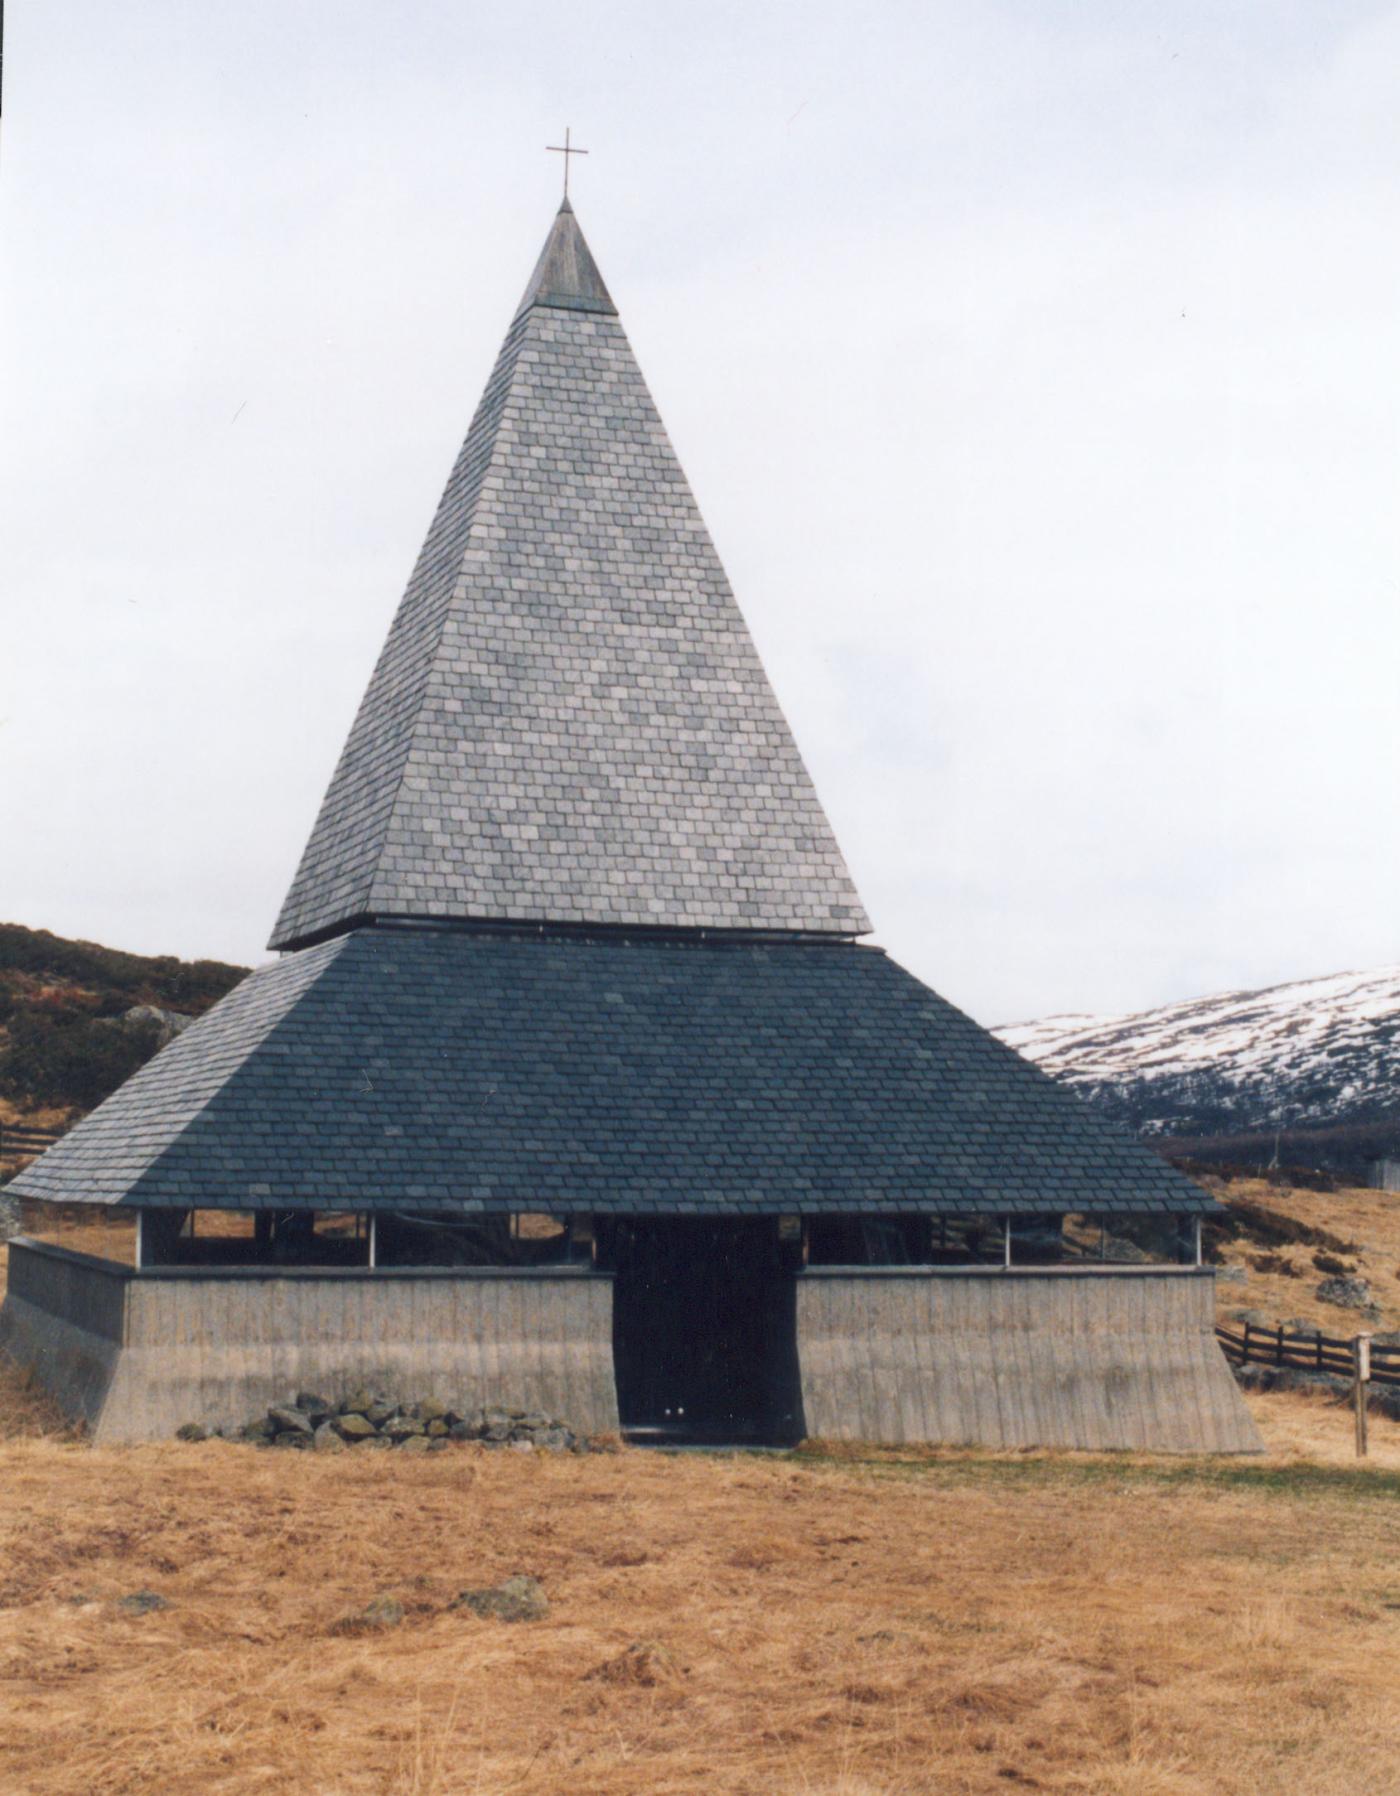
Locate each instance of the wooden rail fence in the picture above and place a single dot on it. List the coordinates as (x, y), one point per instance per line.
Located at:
(1251, 1345)
(20, 1142)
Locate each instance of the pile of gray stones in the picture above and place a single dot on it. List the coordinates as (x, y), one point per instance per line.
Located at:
(1381, 1399)
(369, 1419)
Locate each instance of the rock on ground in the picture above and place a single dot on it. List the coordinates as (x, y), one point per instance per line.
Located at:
(1346, 1292)
(518, 1598)
(142, 1602)
(368, 1418)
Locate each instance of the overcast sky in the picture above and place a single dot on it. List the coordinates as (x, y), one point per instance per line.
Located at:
(1035, 366)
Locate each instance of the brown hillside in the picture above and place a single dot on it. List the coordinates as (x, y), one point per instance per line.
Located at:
(1352, 1228)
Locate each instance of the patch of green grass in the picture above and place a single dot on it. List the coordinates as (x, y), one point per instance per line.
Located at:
(1042, 1470)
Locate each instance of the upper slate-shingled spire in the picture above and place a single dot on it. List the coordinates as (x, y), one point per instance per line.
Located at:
(568, 721)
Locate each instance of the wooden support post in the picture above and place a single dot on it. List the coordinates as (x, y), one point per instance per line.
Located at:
(139, 1255)
(1278, 1346)
(1199, 1250)
(1244, 1351)
(1006, 1242)
(373, 1239)
(1361, 1378)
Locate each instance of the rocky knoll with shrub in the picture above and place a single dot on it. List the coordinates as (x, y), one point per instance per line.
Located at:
(76, 1019)
(369, 1419)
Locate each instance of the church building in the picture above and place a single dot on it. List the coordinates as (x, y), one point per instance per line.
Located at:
(573, 1086)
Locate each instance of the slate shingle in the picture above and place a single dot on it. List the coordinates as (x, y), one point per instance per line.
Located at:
(569, 720)
(420, 1067)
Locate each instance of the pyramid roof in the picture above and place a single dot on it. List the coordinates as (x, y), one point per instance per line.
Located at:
(569, 722)
(412, 1067)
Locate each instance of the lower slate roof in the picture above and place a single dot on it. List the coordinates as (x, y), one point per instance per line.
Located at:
(430, 1068)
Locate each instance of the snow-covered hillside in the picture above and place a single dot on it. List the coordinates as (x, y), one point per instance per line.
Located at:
(1318, 1052)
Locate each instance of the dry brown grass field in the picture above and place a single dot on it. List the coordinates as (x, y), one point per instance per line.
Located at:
(813, 1625)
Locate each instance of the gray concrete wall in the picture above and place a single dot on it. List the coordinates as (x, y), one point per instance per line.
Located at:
(1054, 1359)
(1089, 1359)
(64, 1315)
(137, 1354)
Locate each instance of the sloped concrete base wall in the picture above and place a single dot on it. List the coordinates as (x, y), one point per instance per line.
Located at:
(64, 1316)
(1120, 1360)
(217, 1350)
(1090, 1360)
(74, 1365)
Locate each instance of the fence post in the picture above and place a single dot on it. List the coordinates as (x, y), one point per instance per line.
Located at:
(1361, 1378)
(1318, 1335)
(1278, 1346)
(1244, 1351)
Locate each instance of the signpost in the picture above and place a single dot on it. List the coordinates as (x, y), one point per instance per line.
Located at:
(1361, 1378)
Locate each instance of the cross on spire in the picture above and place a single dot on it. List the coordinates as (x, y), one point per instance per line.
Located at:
(565, 149)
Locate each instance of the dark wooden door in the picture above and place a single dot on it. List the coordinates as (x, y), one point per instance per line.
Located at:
(704, 1331)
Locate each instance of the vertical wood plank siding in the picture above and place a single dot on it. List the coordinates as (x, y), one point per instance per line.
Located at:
(1094, 1361)
(218, 1350)
(136, 1355)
